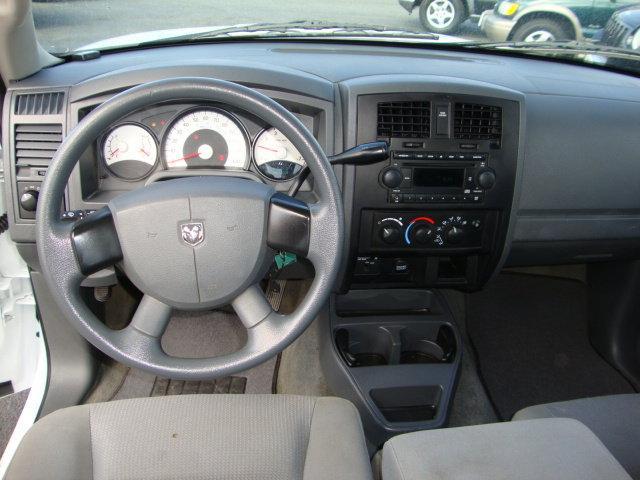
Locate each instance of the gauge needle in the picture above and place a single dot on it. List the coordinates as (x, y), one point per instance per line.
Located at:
(266, 148)
(115, 151)
(144, 151)
(186, 157)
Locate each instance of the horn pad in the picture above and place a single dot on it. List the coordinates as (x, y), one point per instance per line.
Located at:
(194, 242)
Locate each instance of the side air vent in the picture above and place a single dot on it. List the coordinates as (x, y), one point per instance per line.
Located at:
(404, 119)
(472, 121)
(50, 103)
(36, 144)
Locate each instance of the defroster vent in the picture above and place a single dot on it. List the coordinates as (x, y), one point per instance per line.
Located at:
(50, 103)
(36, 144)
(472, 121)
(404, 119)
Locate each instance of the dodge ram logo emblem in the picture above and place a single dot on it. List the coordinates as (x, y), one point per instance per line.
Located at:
(192, 233)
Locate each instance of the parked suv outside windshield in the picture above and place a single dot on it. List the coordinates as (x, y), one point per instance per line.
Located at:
(564, 29)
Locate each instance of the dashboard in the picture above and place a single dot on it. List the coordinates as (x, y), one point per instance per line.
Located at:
(494, 160)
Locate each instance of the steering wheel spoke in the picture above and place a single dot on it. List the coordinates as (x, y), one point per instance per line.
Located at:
(151, 317)
(95, 242)
(252, 307)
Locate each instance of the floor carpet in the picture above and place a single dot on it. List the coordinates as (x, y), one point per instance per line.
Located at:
(530, 336)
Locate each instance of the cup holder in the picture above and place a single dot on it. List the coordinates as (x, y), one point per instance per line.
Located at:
(365, 346)
(375, 345)
(427, 345)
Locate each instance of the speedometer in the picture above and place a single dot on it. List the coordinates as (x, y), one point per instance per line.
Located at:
(206, 138)
(276, 157)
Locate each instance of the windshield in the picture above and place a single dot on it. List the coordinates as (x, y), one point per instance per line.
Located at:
(604, 33)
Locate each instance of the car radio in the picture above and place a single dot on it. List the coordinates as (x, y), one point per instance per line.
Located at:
(432, 177)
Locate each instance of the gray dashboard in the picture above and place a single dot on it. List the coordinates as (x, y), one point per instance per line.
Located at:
(577, 183)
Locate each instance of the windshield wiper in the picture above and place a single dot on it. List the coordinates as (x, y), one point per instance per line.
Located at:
(302, 28)
(569, 48)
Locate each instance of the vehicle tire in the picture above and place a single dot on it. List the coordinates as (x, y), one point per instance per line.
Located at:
(541, 30)
(442, 16)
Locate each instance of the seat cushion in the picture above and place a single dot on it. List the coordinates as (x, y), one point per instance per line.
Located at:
(615, 419)
(197, 436)
(530, 450)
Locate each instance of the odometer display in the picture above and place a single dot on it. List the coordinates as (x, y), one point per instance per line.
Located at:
(206, 138)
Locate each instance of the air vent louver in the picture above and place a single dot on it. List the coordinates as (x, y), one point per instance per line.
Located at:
(404, 119)
(50, 103)
(472, 121)
(36, 144)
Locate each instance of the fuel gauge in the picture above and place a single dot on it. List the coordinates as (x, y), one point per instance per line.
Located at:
(130, 152)
(276, 157)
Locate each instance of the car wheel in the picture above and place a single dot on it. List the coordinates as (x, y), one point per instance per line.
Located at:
(541, 30)
(442, 16)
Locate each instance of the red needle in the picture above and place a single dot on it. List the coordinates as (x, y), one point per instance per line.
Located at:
(144, 151)
(186, 157)
(270, 149)
(115, 151)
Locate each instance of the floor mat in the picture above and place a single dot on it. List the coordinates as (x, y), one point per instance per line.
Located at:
(11, 406)
(530, 336)
(189, 335)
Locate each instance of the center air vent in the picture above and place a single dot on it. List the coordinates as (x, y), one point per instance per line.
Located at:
(49, 103)
(404, 119)
(472, 121)
(36, 144)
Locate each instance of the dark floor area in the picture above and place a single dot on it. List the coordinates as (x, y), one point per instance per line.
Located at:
(11, 406)
(530, 336)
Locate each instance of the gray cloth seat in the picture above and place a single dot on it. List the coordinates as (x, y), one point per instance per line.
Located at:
(197, 437)
(615, 419)
(542, 449)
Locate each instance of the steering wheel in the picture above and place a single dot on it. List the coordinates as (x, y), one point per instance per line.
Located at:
(191, 243)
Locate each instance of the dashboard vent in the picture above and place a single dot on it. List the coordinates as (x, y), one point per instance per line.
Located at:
(36, 144)
(50, 103)
(404, 119)
(472, 121)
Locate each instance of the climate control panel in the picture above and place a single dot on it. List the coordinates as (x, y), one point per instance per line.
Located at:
(427, 230)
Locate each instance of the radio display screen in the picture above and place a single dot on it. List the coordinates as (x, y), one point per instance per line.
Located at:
(438, 177)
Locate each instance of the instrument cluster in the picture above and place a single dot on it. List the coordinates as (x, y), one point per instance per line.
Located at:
(196, 138)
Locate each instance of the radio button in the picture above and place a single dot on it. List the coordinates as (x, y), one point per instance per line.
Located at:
(407, 174)
(394, 198)
(403, 155)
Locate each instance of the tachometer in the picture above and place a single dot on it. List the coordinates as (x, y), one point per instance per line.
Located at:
(130, 152)
(275, 155)
(206, 138)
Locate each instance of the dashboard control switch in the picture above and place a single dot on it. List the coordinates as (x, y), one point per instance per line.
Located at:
(29, 200)
(455, 235)
(390, 234)
(391, 177)
(423, 234)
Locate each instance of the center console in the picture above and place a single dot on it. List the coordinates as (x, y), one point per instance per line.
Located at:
(436, 213)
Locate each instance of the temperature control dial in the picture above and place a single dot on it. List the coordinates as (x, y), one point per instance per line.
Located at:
(420, 231)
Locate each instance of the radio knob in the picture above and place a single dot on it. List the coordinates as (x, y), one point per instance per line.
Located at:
(455, 234)
(390, 234)
(29, 200)
(486, 179)
(391, 177)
